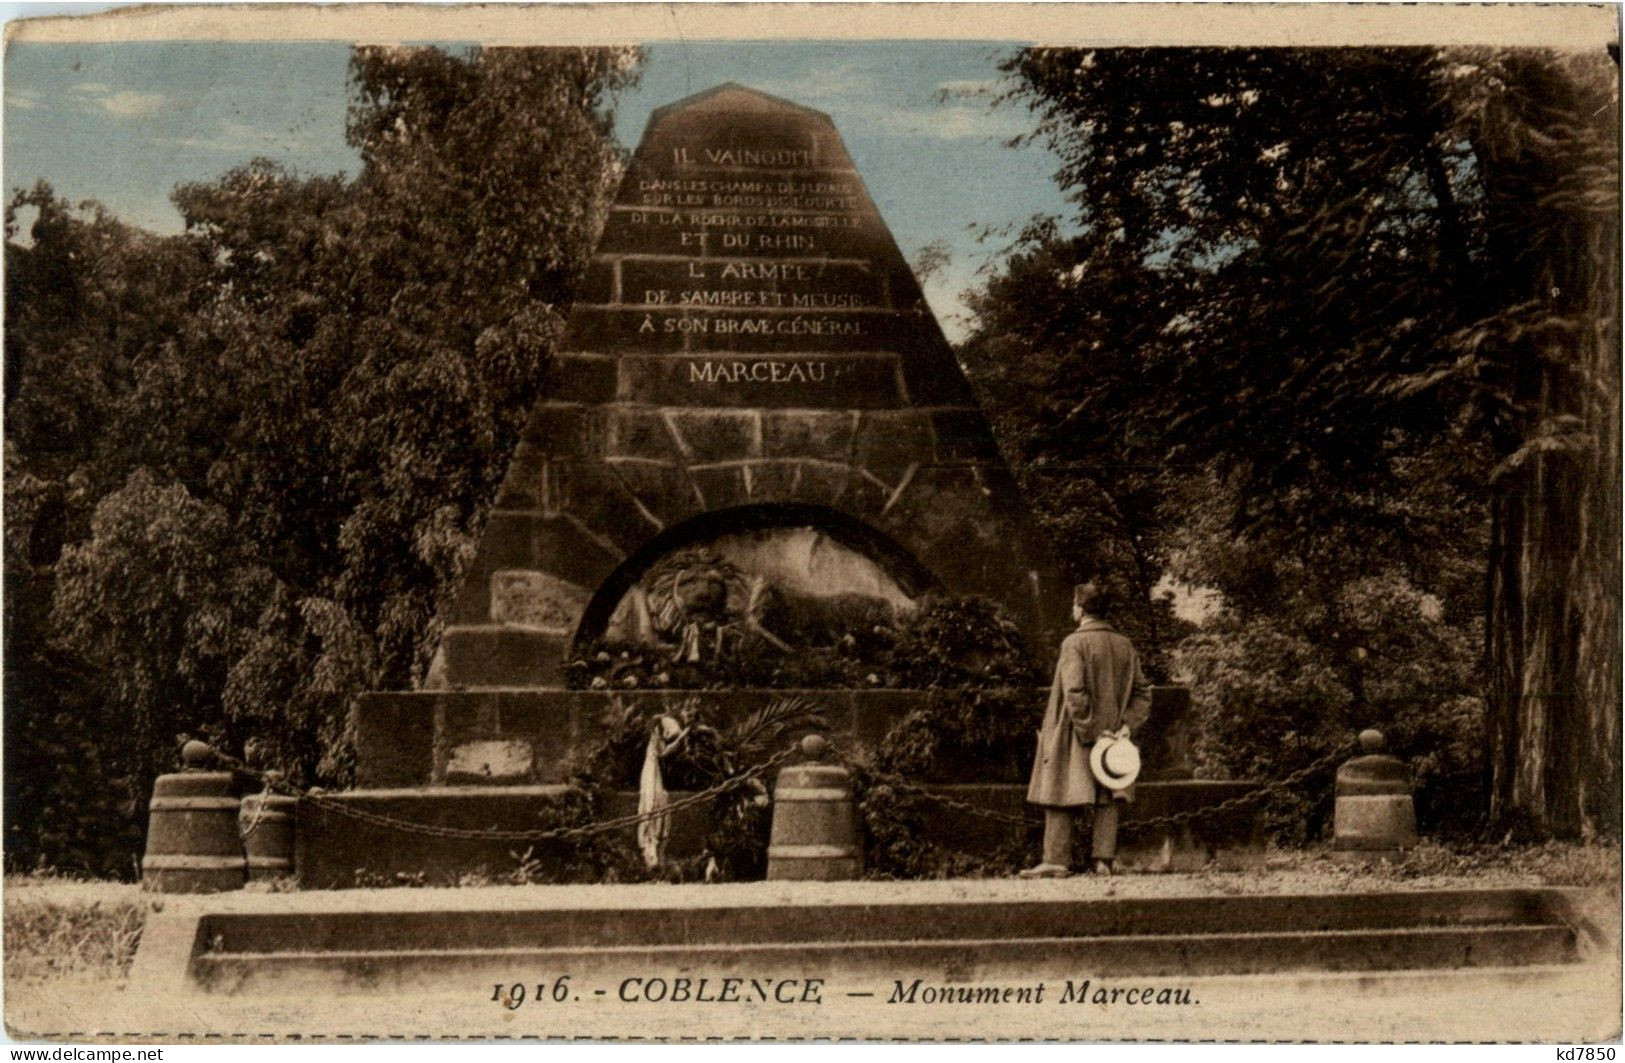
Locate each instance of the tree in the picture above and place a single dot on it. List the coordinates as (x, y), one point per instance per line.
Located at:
(160, 600)
(931, 259)
(395, 329)
(262, 447)
(91, 303)
(1065, 385)
(82, 811)
(1357, 261)
(1545, 133)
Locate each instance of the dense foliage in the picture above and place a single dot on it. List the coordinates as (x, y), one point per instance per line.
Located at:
(245, 463)
(1293, 347)
(986, 688)
(948, 642)
(713, 751)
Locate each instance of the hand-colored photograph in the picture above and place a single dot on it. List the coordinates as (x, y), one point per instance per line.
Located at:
(663, 529)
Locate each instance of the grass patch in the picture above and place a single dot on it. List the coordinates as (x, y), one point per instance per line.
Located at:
(1553, 863)
(1547, 864)
(57, 928)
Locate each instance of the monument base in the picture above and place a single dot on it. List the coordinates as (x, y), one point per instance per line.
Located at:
(517, 736)
(338, 851)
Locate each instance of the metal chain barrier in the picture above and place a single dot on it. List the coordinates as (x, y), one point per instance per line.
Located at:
(433, 830)
(274, 782)
(1172, 819)
(253, 823)
(1258, 793)
(898, 783)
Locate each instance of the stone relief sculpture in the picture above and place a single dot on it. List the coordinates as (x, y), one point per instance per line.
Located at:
(778, 591)
(702, 603)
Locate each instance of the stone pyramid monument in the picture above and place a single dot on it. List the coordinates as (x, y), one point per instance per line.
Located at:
(753, 399)
(750, 350)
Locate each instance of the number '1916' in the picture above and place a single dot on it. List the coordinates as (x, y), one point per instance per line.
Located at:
(515, 995)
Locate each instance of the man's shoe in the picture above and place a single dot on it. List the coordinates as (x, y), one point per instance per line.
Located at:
(1103, 867)
(1044, 871)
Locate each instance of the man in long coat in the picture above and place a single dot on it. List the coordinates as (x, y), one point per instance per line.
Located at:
(1099, 689)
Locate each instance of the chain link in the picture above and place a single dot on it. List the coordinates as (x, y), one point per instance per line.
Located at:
(942, 800)
(1172, 819)
(261, 806)
(434, 830)
(1258, 793)
(273, 782)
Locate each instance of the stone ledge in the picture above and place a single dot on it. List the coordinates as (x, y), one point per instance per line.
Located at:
(542, 716)
(487, 655)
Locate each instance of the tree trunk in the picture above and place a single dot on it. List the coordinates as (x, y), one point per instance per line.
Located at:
(1553, 633)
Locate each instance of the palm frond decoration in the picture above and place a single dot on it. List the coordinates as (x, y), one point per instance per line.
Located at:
(760, 734)
(616, 716)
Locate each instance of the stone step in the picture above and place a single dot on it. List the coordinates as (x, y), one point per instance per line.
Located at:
(852, 934)
(845, 965)
(717, 924)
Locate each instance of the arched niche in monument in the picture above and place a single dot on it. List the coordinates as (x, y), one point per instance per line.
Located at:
(792, 577)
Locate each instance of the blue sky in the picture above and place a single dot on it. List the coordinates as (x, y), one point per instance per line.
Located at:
(124, 123)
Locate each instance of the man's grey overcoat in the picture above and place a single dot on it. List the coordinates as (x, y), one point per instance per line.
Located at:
(1098, 688)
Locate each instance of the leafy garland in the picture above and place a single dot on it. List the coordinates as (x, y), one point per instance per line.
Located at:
(982, 713)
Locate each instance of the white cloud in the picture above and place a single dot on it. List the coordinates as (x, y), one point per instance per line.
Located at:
(23, 100)
(858, 94)
(132, 104)
(124, 103)
(826, 83)
(855, 94)
(952, 121)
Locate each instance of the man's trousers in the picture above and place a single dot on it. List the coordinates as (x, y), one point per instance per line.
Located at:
(1102, 834)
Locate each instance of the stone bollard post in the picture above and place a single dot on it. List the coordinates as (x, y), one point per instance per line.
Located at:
(1374, 817)
(815, 828)
(266, 824)
(192, 840)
